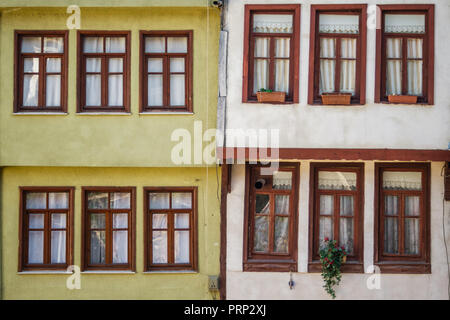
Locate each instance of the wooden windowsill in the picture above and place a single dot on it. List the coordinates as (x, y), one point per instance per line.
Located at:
(348, 267)
(404, 267)
(171, 272)
(166, 113)
(95, 113)
(29, 272)
(108, 272)
(38, 113)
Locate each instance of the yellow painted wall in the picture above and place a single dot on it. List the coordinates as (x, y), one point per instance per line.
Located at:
(112, 286)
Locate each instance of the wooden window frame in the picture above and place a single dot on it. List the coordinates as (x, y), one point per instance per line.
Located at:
(355, 263)
(193, 222)
(271, 262)
(188, 72)
(23, 234)
(247, 79)
(428, 54)
(19, 74)
(81, 66)
(314, 51)
(85, 227)
(398, 263)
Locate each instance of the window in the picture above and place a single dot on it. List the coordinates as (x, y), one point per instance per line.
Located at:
(336, 204)
(405, 53)
(270, 236)
(402, 212)
(166, 71)
(338, 52)
(46, 220)
(41, 71)
(104, 64)
(271, 50)
(170, 228)
(108, 228)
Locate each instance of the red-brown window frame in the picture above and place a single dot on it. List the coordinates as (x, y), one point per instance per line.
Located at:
(81, 72)
(18, 70)
(355, 263)
(143, 87)
(247, 79)
(314, 51)
(428, 45)
(85, 227)
(402, 263)
(193, 223)
(23, 234)
(276, 262)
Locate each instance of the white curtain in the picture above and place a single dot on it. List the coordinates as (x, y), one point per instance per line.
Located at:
(281, 241)
(282, 47)
(327, 66)
(261, 67)
(177, 90)
(58, 243)
(394, 67)
(346, 223)
(348, 67)
(93, 82)
(53, 83)
(337, 180)
(35, 247)
(415, 49)
(261, 229)
(98, 246)
(58, 237)
(120, 246)
(159, 238)
(30, 90)
(282, 180)
(326, 209)
(181, 246)
(93, 44)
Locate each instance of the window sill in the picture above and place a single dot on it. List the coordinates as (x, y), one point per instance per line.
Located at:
(270, 266)
(166, 113)
(171, 272)
(419, 104)
(108, 272)
(45, 272)
(348, 267)
(271, 103)
(404, 267)
(23, 113)
(88, 113)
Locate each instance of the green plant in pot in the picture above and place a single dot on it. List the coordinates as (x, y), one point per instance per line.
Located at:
(331, 257)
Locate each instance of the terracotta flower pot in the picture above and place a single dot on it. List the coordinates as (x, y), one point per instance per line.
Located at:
(344, 259)
(336, 98)
(402, 99)
(274, 97)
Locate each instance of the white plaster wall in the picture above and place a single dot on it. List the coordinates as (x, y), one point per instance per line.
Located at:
(368, 126)
(274, 285)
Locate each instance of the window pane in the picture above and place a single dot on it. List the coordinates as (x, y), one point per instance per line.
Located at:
(54, 44)
(93, 65)
(53, 64)
(282, 47)
(177, 44)
(30, 90)
(404, 23)
(327, 47)
(326, 81)
(58, 200)
(282, 75)
(338, 23)
(262, 204)
(155, 90)
(120, 220)
(415, 48)
(326, 205)
(58, 244)
(98, 247)
(92, 44)
(115, 65)
(412, 236)
(159, 221)
(36, 247)
(53, 91)
(155, 44)
(346, 234)
(159, 247)
(281, 204)
(325, 228)
(412, 206)
(261, 234)
(159, 200)
(115, 90)
(348, 48)
(261, 75)
(36, 221)
(155, 65)
(394, 48)
(262, 47)
(115, 44)
(177, 93)
(400, 180)
(346, 205)
(36, 200)
(97, 200)
(182, 220)
(281, 241)
(98, 221)
(177, 65)
(31, 65)
(415, 68)
(120, 200)
(390, 205)
(181, 246)
(394, 77)
(391, 235)
(181, 200)
(120, 246)
(58, 221)
(348, 76)
(282, 180)
(272, 23)
(93, 90)
(337, 180)
(31, 44)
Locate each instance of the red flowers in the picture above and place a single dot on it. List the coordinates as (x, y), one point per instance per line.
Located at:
(326, 239)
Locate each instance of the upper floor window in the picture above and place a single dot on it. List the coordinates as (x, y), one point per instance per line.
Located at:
(405, 54)
(338, 54)
(166, 71)
(271, 50)
(104, 64)
(41, 71)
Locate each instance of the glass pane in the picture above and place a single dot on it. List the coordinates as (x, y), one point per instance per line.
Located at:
(412, 236)
(120, 246)
(36, 200)
(120, 200)
(115, 65)
(336, 180)
(30, 65)
(400, 180)
(415, 48)
(415, 77)
(281, 241)
(261, 75)
(93, 90)
(346, 205)
(181, 246)
(404, 23)
(346, 234)
(92, 44)
(155, 44)
(53, 65)
(348, 48)
(177, 65)
(281, 204)
(54, 44)
(155, 65)
(115, 90)
(115, 44)
(391, 235)
(261, 235)
(326, 205)
(282, 75)
(120, 220)
(325, 228)
(262, 47)
(282, 180)
(338, 23)
(97, 200)
(93, 65)
(390, 205)
(159, 221)
(182, 220)
(394, 77)
(36, 247)
(30, 90)
(394, 48)
(177, 44)
(181, 200)
(36, 221)
(273, 23)
(159, 200)
(262, 205)
(155, 90)
(328, 47)
(282, 47)
(58, 221)
(326, 77)
(53, 91)
(98, 220)
(412, 206)
(58, 245)
(98, 247)
(31, 44)
(177, 93)
(159, 247)
(348, 76)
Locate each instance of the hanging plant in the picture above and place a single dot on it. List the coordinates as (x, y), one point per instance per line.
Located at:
(332, 257)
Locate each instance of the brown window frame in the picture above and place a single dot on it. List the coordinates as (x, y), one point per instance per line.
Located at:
(355, 262)
(85, 227)
(247, 79)
(193, 223)
(428, 51)
(403, 263)
(23, 228)
(314, 60)
(276, 262)
(188, 71)
(81, 66)
(19, 74)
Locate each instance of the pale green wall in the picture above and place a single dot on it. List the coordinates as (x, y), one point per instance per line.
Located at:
(105, 140)
(117, 286)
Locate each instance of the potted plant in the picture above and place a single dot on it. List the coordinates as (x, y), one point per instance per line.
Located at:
(398, 98)
(331, 257)
(336, 98)
(267, 95)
